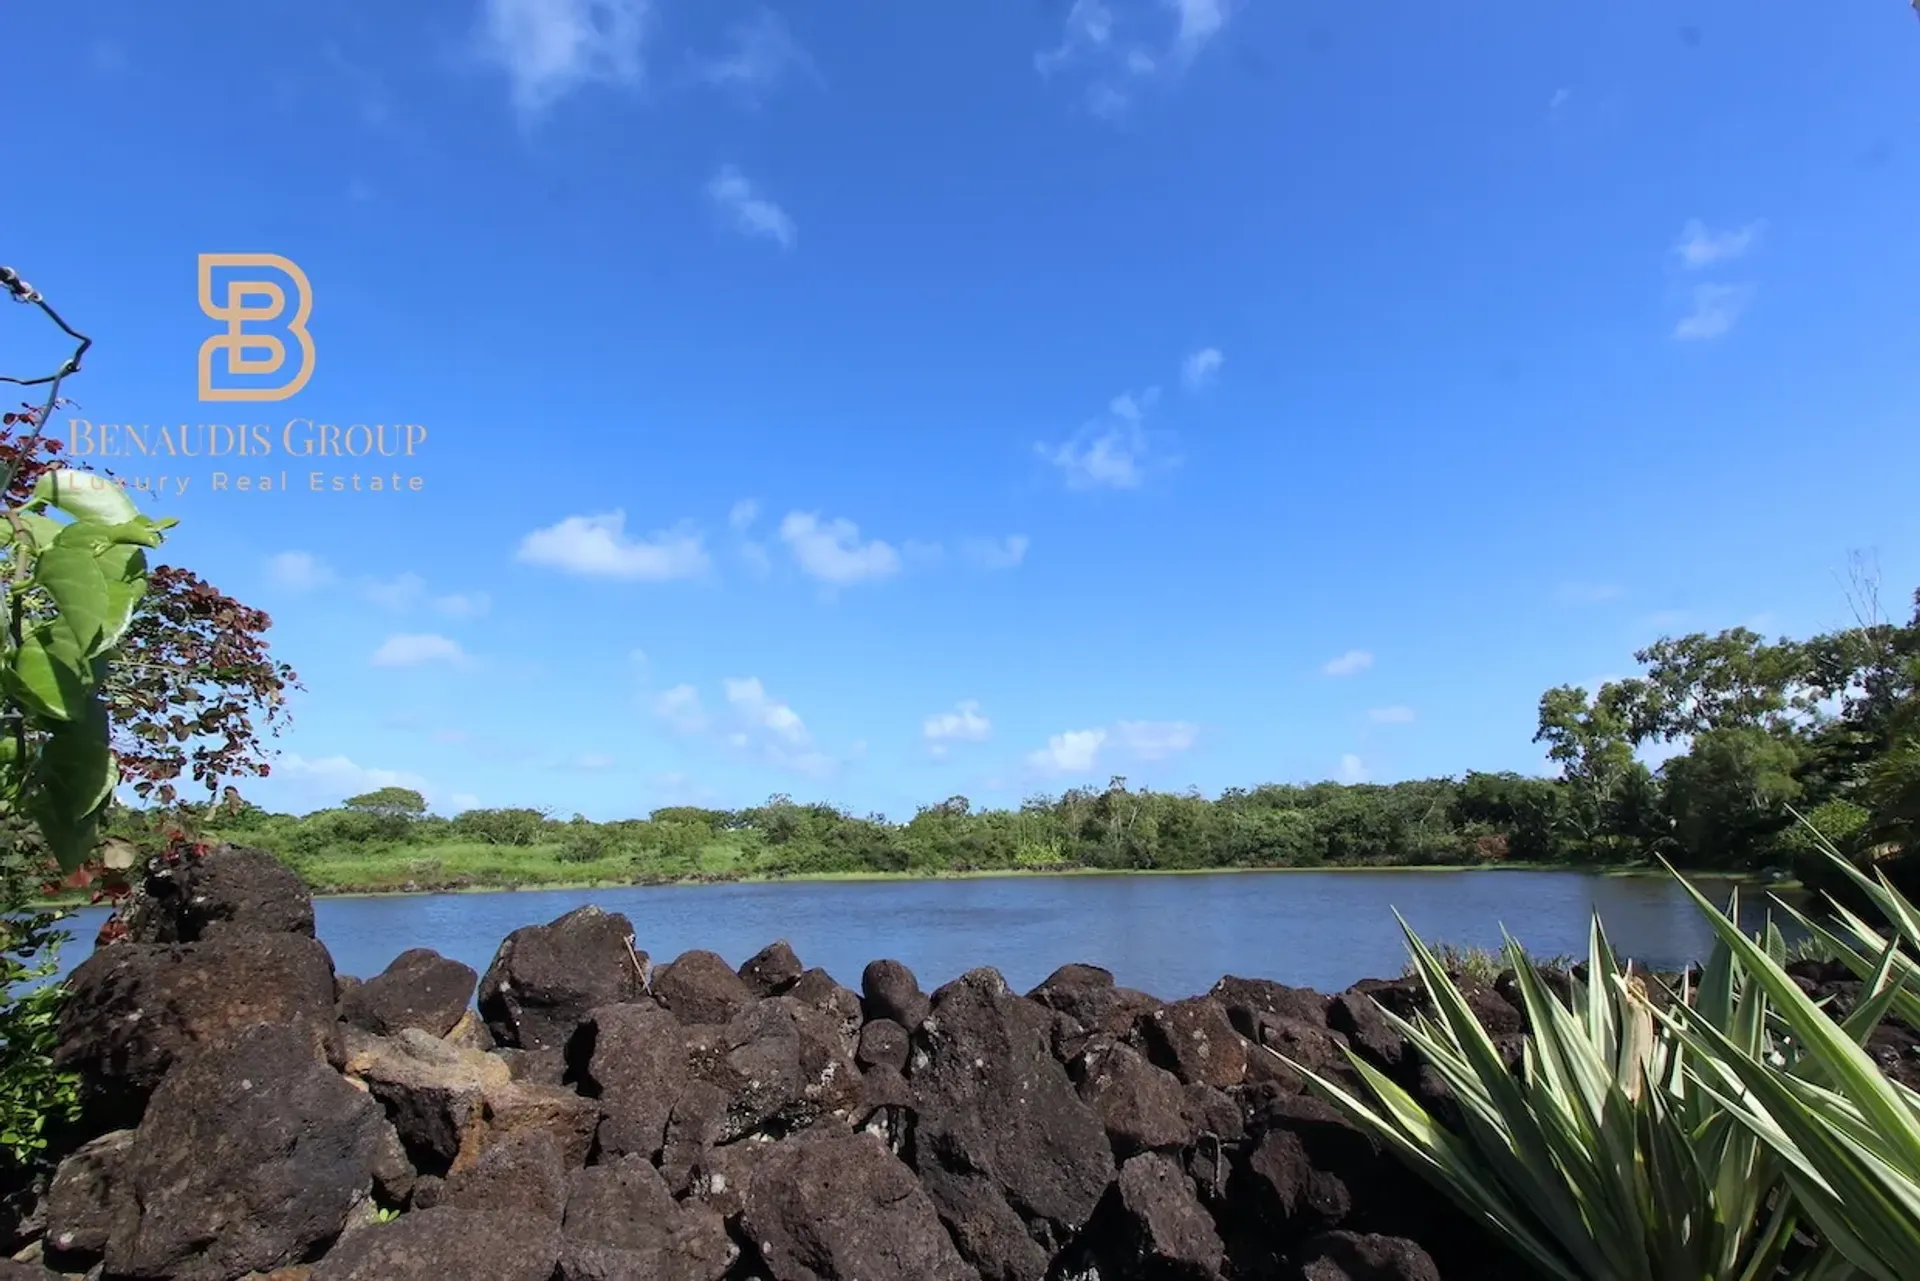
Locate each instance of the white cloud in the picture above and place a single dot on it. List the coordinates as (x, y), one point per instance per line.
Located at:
(1077, 751)
(832, 552)
(1352, 769)
(299, 571)
(457, 802)
(680, 707)
(1201, 368)
(749, 697)
(1089, 27)
(1199, 22)
(593, 761)
(1715, 309)
(1070, 753)
(1155, 740)
(996, 553)
(413, 649)
(750, 212)
(762, 52)
(964, 724)
(1700, 247)
(1111, 458)
(598, 547)
(548, 48)
(1589, 593)
(1391, 715)
(1113, 453)
(1559, 101)
(1350, 663)
(450, 736)
(1118, 56)
(744, 513)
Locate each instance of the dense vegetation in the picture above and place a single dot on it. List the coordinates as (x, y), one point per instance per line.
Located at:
(1825, 726)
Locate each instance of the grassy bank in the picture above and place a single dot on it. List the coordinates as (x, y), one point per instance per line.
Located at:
(478, 867)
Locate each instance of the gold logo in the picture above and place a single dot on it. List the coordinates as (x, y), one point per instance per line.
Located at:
(239, 308)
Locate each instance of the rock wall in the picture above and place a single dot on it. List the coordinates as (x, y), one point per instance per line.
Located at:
(579, 1113)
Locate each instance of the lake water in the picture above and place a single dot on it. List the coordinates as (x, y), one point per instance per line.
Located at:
(1172, 936)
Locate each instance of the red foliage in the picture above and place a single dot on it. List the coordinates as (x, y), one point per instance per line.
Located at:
(192, 690)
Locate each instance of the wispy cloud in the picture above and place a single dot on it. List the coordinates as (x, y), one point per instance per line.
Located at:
(1155, 740)
(598, 546)
(761, 54)
(966, 723)
(414, 649)
(549, 48)
(1352, 769)
(748, 211)
(744, 513)
(1200, 369)
(1153, 42)
(995, 553)
(832, 551)
(1351, 663)
(1110, 453)
(1391, 715)
(299, 571)
(1699, 246)
(1715, 310)
(1080, 751)
(681, 709)
(406, 592)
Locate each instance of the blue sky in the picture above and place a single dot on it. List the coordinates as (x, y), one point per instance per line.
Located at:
(879, 401)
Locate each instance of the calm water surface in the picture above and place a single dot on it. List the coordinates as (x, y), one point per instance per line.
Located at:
(1172, 936)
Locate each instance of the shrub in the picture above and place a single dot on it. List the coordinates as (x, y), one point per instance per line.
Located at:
(33, 1094)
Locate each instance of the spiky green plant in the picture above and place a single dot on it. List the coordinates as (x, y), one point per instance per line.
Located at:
(1600, 1160)
(1845, 1135)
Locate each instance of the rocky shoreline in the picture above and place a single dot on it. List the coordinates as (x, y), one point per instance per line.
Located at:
(581, 1113)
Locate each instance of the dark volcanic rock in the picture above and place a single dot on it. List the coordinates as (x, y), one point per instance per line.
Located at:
(546, 979)
(773, 969)
(421, 989)
(785, 1065)
(883, 1042)
(1087, 995)
(523, 1171)
(633, 1060)
(1353, 1256)
(623, 1225)
(16, 1270)
(251, 1154)
(80, 1200)
(1014, 1161)
(700, 987)
(694, 1127)
(135, 1009)
(447, 1244)
(843, 1208)
(1143, 1107)
(1194, 1040)
(538, 1067)
(892, 992)
(816, 988)
(1150, 1225)
(1246, 1000)
(232, 890)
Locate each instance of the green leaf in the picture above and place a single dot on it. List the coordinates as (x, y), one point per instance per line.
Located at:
(51, 675)
(85, 496)
(70, 573)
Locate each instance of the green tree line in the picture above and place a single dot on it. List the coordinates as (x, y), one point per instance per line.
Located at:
(1752, 733)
